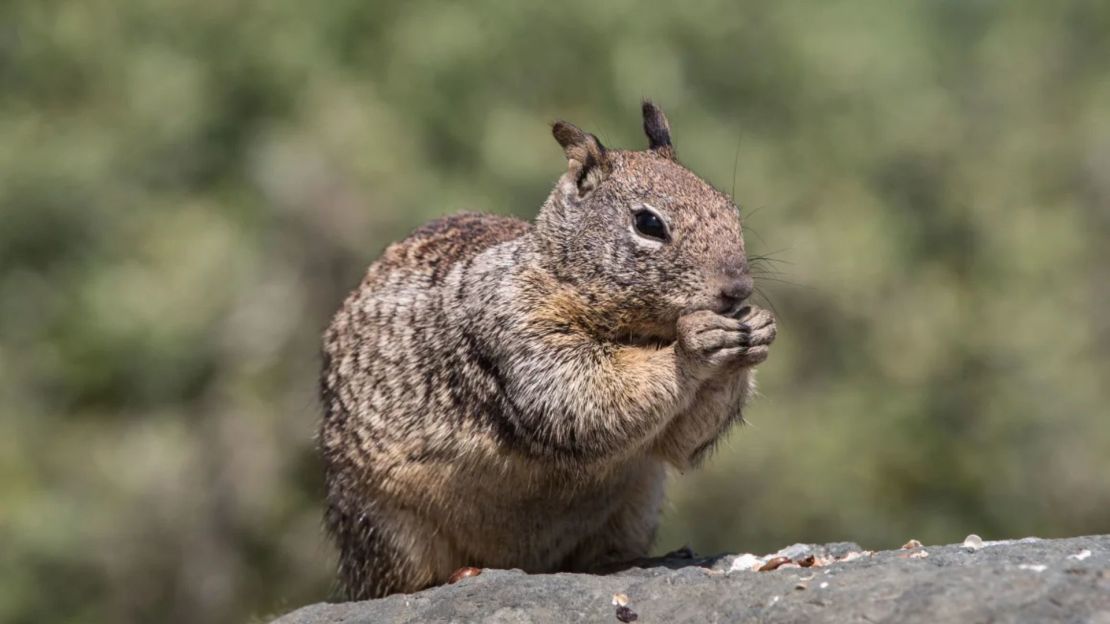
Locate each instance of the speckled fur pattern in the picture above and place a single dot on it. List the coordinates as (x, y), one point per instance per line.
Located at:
(505, 394)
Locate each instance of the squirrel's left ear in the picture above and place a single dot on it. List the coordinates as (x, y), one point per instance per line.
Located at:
(586, 156)
(658, 131)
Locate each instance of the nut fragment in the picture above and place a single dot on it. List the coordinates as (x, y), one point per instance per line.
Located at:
(807, 561)
(620, 600)
(626, 615)
(462, 573)
(910, 545)
(773, 563)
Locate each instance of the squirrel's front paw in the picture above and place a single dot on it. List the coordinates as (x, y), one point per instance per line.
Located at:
(762, 330)
(709, 340)
(712, 341)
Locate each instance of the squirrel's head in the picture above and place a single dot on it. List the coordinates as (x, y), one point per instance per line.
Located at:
(640, 233)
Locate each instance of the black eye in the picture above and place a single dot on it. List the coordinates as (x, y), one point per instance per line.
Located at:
(650, 225)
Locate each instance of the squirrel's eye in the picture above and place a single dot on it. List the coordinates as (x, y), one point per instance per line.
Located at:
(649, 224)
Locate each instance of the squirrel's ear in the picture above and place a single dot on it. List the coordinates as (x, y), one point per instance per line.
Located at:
(586, 156)
(658, 131)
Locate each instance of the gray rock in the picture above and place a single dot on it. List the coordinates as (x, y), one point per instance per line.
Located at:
(1028, 580)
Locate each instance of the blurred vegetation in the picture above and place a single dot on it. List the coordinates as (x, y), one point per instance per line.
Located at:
(189, 188)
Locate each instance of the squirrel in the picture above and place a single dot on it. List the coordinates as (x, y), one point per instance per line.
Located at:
(507, 394)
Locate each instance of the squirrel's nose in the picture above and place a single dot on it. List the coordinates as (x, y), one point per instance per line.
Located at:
(735, 290)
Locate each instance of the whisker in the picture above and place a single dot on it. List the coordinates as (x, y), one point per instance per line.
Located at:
(735, 163)
(771, 253)
(758, 258)
(780, 281)
(770, 269)
(757, 234)
(753, 212)
(767, 300)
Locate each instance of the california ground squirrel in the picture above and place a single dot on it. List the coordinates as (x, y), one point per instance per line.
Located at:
(504, 394)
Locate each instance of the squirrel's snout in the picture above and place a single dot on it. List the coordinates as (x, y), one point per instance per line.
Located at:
(734, 291)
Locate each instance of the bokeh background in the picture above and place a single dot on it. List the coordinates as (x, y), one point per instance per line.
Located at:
(188, 188)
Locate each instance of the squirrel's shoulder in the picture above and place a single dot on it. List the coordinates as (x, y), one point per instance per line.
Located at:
(436, 246)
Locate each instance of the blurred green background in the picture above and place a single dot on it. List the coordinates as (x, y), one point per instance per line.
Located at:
(189, 188)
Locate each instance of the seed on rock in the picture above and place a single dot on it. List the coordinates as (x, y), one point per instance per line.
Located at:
(917, 554)
(910, 545)
(807, 561)
(1081, 555)
(745, 562)
(773, 563)
(620, 600)
(462, 573)
(626, 615)
(974, 542)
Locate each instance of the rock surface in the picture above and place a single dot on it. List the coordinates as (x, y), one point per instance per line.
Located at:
(1030, 580)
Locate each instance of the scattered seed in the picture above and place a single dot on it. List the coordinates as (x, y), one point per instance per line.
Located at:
(462, 573)
(773, 563)
(917, 554)
(626, 615)
(746, 562)
(910, 545)
(801, 585)
(824, 585)
(1033, 567)
(807, 561)
(620, 600)
(974, 542)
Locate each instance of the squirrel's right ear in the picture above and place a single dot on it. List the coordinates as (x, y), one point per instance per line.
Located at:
(586, 157)
(658, 131)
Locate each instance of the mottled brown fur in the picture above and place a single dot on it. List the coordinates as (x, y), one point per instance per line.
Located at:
(505, 394)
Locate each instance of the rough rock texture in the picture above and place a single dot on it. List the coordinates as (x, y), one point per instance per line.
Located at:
(1029, 580)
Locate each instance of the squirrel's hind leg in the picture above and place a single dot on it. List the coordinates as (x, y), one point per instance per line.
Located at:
(378, 558)
(629, 532)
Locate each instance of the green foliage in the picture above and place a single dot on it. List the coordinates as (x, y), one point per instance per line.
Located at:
(188, 189)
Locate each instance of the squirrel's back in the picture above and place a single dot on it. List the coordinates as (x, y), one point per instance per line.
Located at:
(434, 248)
(395, 337)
